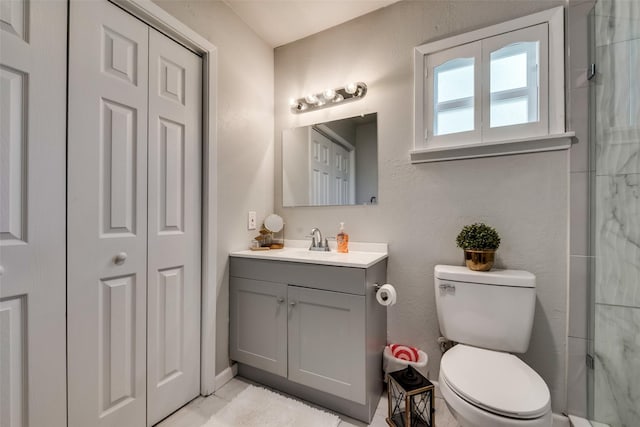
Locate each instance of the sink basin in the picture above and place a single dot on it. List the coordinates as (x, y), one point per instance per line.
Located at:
(292, 252)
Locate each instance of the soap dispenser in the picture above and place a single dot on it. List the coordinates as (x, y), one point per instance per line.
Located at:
(343, 240)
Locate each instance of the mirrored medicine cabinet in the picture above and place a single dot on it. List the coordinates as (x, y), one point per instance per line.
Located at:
(332, 163)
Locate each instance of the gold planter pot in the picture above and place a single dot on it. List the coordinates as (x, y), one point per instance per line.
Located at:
(479, 260)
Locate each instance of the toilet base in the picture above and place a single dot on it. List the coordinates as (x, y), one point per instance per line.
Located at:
(469, 415)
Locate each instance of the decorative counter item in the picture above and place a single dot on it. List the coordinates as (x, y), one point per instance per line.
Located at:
(410, 399)
(479, 242)
(275, 226)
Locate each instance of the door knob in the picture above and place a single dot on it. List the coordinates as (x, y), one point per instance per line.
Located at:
(280, 300)
(292, 303)
(120, 258)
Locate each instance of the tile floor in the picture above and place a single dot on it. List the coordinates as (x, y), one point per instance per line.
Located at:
(199, 410)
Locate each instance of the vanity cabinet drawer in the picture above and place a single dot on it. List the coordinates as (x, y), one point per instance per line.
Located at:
(349, 280)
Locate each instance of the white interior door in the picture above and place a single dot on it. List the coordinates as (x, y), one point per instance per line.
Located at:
(174, 234)
(319, 168)
(134, 170)
(329, 171)
(32, 213)
(107, 216)
(341, 175)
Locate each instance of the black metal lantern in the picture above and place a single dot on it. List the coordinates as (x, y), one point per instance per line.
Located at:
(410, 399)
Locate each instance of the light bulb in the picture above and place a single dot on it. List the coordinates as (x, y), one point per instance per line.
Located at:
(321, 102)
(351, 88)
(292, 102)
(329, 94)
(338, 98)
(311, 99)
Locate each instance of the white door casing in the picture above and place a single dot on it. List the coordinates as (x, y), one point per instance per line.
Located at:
(174, 189)
(32, 213)
(107, 216)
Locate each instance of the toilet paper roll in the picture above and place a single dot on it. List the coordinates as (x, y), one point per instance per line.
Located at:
(387, 295)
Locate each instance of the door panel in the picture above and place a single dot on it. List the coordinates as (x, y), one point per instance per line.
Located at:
(174, 236)
(117, 341)
(327, 341)
(118, 166)
(32, 213)
(258, 325)
(107, 216)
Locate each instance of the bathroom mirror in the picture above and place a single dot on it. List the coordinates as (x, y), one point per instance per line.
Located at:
(331, 163)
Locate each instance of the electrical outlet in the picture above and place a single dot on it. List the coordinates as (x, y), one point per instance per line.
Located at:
(251, 224)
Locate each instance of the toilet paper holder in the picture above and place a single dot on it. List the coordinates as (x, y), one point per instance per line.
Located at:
(386, 294)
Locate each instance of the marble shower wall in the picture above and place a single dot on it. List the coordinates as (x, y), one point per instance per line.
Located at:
(616, 201)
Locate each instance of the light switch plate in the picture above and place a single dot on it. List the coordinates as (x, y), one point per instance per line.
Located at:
(251, 224)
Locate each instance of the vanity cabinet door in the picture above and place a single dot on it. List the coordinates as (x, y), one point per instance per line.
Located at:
(258, 324)
(327, 341)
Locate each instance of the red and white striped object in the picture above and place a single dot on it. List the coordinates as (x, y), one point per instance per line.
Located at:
(404, 352)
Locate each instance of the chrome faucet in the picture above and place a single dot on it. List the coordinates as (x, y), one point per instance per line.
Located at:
(317, 244)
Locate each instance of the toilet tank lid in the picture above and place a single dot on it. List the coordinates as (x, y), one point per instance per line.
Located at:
(515, 278)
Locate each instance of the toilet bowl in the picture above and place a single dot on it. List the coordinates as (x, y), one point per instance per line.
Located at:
(486, 388)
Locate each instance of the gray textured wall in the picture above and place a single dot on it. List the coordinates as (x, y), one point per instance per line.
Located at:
(422, 207)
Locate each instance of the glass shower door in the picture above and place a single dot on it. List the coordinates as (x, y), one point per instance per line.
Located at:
(614, 391)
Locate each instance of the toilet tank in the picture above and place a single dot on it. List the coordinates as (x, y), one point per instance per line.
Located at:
(492, 309)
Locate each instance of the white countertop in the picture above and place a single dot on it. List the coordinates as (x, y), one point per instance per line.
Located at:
(361, 255)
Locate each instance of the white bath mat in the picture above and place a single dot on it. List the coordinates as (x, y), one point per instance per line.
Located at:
(257, 407)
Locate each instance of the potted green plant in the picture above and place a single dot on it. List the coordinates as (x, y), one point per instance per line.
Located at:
(479, 242)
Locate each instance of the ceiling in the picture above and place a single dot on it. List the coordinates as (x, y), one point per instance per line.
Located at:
(279, 22)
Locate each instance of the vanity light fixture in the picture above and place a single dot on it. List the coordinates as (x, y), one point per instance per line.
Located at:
(329, 97)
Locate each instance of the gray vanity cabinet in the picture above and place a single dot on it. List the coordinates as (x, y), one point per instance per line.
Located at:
(314, 331)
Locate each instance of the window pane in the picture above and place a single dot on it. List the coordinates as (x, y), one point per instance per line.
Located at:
(509, 72)
(514, 76)
(454, 120)
(511, 111)
(454, 80)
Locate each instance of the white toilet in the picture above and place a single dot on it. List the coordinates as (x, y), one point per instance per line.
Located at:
(490, 315)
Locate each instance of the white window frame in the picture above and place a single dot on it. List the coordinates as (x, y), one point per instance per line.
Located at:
(464, 51)
(537, 85)
(499, 140)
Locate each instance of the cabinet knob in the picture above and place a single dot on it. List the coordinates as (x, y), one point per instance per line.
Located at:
(292, 303)
(280, 300)
(120, 258)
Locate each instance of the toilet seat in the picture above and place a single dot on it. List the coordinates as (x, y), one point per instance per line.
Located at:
(496, 382)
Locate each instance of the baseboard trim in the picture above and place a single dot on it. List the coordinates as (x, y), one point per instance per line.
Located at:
(560, 420)
(225, 376)
(581, 422)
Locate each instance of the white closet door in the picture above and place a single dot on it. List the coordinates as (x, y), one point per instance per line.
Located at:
(32, 213)
(319, 168)
(341, 175)
(107, 216)
(174, 188)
